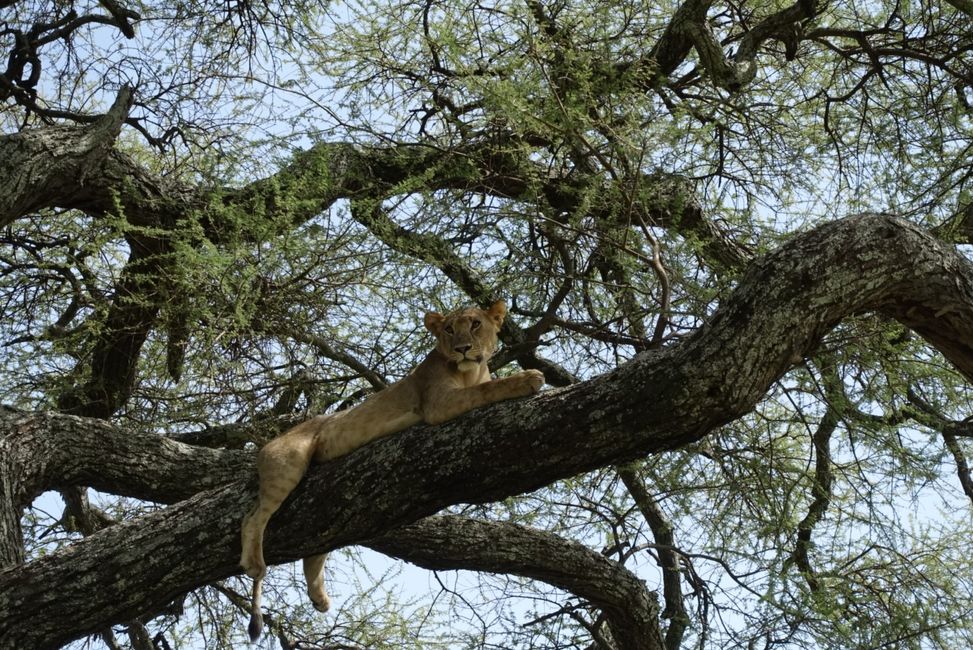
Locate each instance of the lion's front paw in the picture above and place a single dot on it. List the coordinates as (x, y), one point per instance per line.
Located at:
(534, 379)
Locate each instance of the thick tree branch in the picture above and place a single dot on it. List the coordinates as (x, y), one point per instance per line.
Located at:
(87, 174)
(11, 533)
(784, 25)
(318, 177)
(47, 451)
(674, 45)
(53, 165)
(966, 6)
(661, 400)
(110, 374)
(689, 28)
(451, 542)
(731, 75)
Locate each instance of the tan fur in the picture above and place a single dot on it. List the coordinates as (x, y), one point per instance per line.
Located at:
(453, 379)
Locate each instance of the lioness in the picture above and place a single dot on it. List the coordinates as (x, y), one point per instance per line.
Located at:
(451, 380)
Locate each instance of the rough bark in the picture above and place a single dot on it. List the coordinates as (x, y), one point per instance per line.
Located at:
(111, 370)
(45, 451)
(11, 535)
(661, 400)
(51, 166)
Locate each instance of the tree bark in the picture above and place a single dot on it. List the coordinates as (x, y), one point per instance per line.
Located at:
(661, 400)
(49, 167)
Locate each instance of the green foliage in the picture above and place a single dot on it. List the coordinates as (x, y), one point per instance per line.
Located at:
(325, 173)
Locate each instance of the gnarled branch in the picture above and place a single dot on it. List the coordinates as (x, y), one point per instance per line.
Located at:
(452, 542)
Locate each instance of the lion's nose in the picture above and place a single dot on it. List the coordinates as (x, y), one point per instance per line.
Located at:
(462, 349)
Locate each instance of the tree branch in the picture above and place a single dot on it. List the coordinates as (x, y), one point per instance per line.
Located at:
(51, 450)
(52, 165)
(931, 417)
(661, 400)
(452, 542)
(674, 45)
(669, 560)
(966, 6)
(689, 28)
(821, 491)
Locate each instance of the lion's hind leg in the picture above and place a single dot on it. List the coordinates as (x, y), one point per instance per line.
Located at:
(314, 574)
(280, 464)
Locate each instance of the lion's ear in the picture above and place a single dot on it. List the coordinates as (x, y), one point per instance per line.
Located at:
(497, 312)
(433, 322)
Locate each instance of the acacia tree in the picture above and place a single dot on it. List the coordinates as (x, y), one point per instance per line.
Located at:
(734, 237)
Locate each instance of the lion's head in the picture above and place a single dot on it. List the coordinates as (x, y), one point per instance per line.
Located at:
(467, 337)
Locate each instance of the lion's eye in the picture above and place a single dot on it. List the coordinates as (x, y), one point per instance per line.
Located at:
(474, 324)
(449, 329)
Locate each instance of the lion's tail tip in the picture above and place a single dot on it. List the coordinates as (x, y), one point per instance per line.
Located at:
(256, 626)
